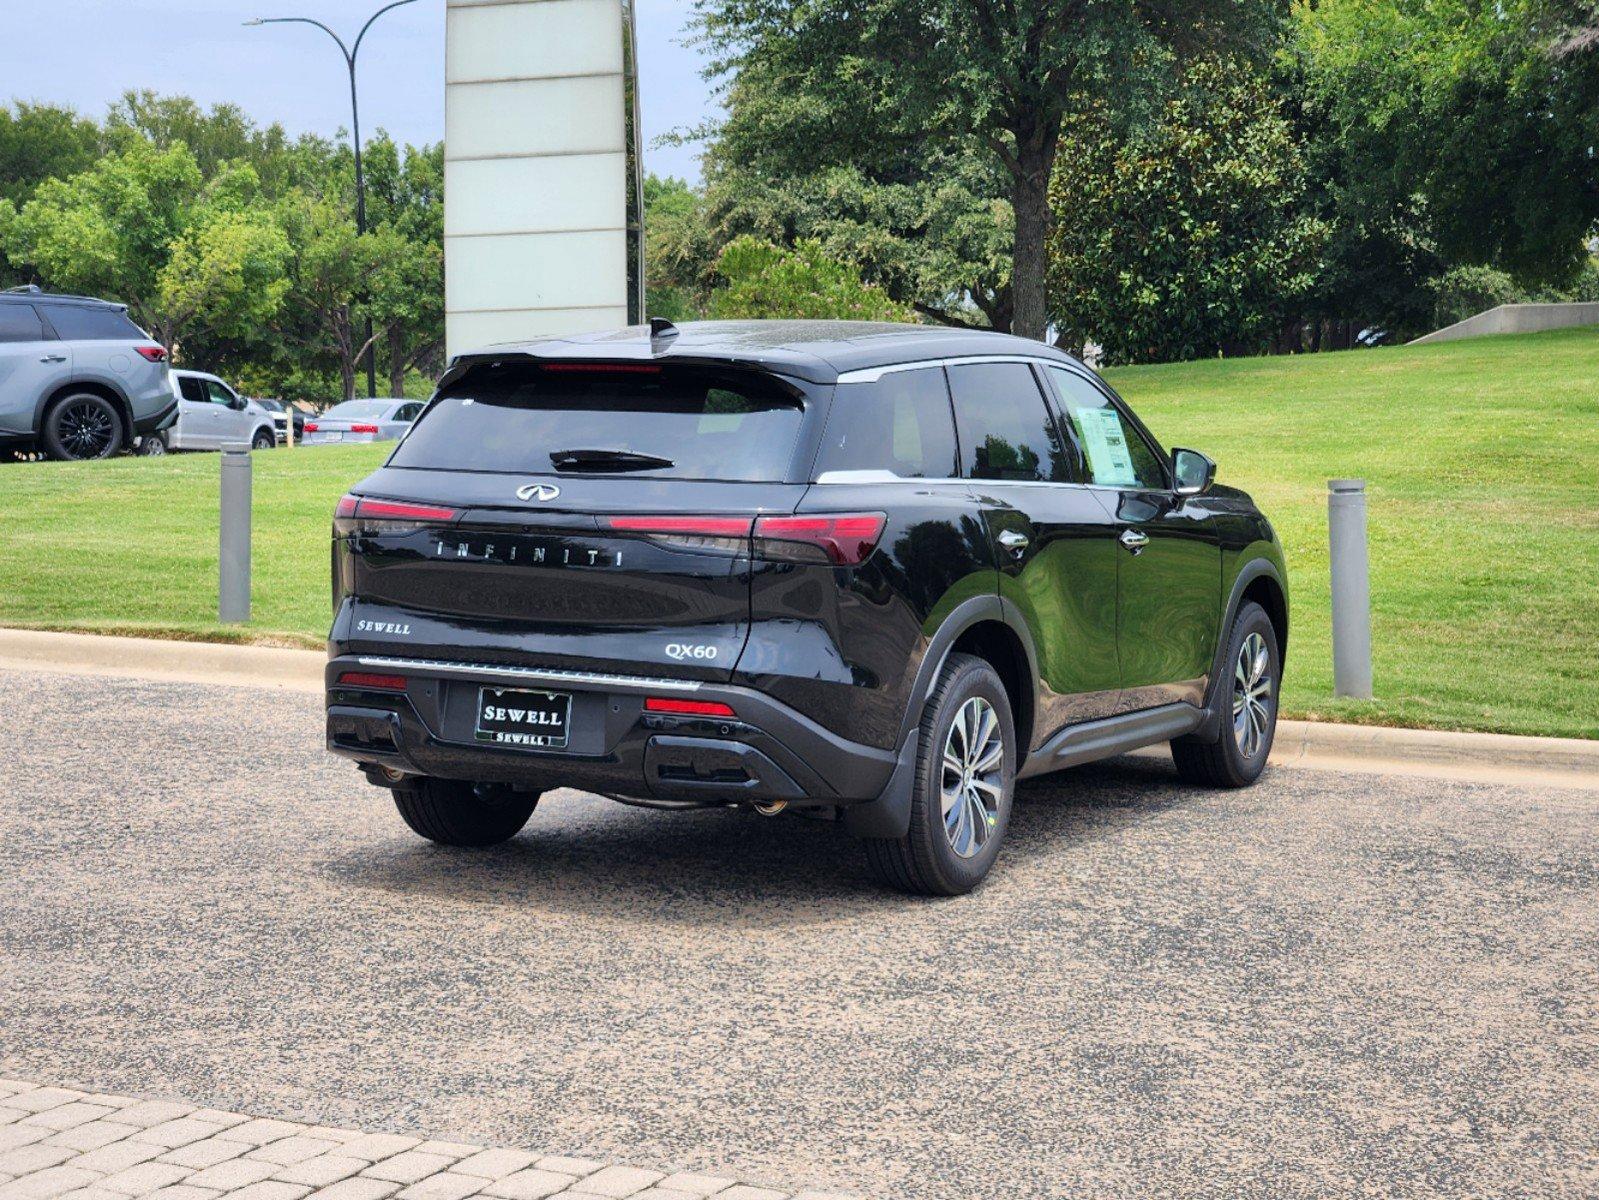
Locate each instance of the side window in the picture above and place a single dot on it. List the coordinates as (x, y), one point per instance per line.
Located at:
(19, 323)
(192, 389)
(91, 323)
(407, 412)
(217, 393)
(899, 423)
(1006, 430)
(1117, 454)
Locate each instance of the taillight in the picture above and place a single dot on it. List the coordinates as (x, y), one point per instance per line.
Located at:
(843, 539)
(688, 708)
(365, 679)
(357, 514)
(152, 353)
(692, 526)
(363, 428)
(309, 427)
(710, 535)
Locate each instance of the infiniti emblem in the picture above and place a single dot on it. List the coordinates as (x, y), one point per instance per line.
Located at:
(537, 491)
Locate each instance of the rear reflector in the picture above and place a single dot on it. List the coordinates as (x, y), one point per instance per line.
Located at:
(847, 539)
(152, 353)
(364, 679)
(690, 526)
(688, 708)
(363, 428)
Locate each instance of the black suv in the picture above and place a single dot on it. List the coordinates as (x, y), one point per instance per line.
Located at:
(875, 569)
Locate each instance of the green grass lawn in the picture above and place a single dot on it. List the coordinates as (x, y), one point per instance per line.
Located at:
(1482, 460)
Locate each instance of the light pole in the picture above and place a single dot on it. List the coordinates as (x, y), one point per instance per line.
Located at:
(349, 53)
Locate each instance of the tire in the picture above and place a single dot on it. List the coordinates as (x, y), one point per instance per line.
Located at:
(80, 427)
(153, 445)
(453, 812)
(939, 857)
(264, 439)
(1236, 759)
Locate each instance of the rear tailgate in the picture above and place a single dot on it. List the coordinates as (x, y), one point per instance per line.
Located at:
(569, 582)
(636, 559)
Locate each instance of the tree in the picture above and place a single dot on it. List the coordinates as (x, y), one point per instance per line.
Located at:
(1484, 110)
(405, 199)
(1191, 238)
(186, 256)
(39, 142)
(331, 270)
(764, 280)
(855, 80)
(679, 251)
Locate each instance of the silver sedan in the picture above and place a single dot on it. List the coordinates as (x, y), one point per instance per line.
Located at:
(363, 421)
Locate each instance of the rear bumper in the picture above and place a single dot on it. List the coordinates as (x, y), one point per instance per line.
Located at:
(768, 751)
(156, 421)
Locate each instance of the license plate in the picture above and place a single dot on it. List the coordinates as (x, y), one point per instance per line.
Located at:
(330, 437)
(514, 717)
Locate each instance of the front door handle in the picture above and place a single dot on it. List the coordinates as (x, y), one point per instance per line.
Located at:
(1132, 540)
(1013, 541)
(54, 358)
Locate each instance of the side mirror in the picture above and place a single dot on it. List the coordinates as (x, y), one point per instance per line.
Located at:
(238, 403)
(1195, 472)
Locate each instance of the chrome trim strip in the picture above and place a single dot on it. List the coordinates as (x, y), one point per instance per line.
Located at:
(532, 674)
(873, 374)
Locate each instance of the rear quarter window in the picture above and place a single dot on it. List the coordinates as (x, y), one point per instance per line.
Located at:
(694, 422)
(900, 422)
(83, 323)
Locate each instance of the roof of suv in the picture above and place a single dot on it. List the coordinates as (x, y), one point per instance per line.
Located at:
(819, 351)
(29, 295)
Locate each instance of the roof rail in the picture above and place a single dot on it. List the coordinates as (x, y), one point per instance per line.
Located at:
(25, 289)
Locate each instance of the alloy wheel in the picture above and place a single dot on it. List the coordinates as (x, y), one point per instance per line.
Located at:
(1252, 695)
(974, 760)
(86, 429)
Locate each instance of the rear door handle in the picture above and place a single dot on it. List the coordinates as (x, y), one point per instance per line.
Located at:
(1013, 541)
(1133, 540)
(54, 358)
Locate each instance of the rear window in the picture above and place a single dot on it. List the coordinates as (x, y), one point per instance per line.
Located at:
(359, 410)
(899, 423)
(655, 420)
(81, 322)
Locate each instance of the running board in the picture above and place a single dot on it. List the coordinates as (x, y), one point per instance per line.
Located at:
(1109, 736)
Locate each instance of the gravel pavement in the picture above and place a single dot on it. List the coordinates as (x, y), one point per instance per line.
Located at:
(1326, 984)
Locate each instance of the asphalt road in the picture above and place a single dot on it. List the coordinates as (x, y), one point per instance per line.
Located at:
(1324, 985)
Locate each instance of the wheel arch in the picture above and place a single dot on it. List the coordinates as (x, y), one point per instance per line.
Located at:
(1261, 580)
(93, 387)
(983, 625)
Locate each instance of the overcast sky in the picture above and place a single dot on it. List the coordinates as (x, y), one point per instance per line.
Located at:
(86, 53)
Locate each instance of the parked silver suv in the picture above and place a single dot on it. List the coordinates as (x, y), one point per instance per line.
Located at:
(78, 379)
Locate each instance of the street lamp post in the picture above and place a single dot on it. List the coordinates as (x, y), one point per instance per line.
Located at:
(349, 53)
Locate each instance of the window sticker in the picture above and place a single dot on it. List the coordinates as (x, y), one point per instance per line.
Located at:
(1105, 443)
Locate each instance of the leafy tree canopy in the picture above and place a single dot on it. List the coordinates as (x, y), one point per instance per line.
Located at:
(1189, 238)
(764, 280)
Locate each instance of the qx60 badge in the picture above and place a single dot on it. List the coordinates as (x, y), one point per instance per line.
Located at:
(537, 491)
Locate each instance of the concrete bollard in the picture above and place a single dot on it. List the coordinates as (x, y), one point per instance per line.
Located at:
(233, 584)
(1351, 588)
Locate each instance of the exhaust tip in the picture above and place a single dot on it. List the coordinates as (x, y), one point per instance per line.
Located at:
(768, 808)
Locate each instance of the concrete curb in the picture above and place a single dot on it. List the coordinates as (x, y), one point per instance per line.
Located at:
(1484, 757)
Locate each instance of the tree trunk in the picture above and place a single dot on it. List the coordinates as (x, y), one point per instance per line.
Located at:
(1035, 158)
(396, 362)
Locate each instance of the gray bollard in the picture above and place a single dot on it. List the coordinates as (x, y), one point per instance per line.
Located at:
(233, 585)
(1351, 588)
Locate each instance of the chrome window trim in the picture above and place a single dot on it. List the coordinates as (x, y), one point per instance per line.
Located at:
(873, 374)
(531, 674)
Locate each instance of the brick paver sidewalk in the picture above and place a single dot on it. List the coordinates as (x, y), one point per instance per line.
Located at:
(61, 1144)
